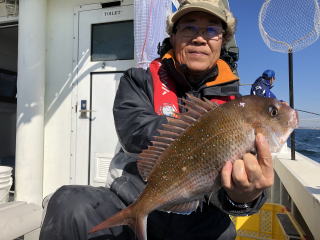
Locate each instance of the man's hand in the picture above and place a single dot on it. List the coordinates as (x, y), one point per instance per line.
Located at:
(246, 178)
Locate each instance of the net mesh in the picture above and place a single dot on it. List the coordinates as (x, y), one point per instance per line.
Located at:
(149, 28)
(289, 25)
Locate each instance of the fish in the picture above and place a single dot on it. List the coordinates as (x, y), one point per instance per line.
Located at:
(182, 163)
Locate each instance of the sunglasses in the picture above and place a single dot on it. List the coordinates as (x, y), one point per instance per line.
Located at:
(209, 32)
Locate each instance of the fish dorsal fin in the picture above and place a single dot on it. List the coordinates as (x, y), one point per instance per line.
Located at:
(195, 108)
(172, 130)
(199, 104)
(182, 208)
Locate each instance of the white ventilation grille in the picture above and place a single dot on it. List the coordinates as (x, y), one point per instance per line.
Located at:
(102, 163)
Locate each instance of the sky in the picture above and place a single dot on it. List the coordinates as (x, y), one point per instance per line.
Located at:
(255, 57)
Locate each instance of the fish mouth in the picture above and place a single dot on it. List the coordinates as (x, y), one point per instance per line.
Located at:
(294, 121)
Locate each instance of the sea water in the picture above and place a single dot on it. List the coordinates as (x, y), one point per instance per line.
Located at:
(308, 143)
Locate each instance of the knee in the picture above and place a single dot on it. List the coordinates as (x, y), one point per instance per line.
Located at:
(68, 199)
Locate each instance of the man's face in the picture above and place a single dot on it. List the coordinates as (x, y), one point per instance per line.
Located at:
(198, 52)
(272, 80)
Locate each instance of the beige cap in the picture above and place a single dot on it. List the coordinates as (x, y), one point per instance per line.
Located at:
(214, 7)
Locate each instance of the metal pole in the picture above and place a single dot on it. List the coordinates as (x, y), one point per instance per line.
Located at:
(292, 138)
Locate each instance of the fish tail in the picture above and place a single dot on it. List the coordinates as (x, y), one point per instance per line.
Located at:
(128, 216)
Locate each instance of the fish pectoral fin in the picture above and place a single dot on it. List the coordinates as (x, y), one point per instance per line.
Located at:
(182, 208)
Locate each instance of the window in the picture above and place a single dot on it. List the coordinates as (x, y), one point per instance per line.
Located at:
(112, 41)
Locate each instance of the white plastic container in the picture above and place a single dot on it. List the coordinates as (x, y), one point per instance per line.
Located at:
(5, 183)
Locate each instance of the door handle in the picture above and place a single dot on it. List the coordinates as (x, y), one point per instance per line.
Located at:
(84, 107)
(86, 111)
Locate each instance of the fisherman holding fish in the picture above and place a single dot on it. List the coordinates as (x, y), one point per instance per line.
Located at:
(164, 181)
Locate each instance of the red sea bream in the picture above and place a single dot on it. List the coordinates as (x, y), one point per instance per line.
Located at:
(183, 163)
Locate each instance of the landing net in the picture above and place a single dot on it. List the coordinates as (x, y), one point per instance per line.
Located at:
(289, 25)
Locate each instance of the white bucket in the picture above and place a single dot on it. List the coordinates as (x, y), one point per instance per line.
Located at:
(5, 183)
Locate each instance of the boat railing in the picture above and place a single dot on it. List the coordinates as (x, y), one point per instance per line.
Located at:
(297, 186)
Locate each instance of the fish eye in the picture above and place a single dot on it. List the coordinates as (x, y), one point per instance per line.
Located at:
(273, 111)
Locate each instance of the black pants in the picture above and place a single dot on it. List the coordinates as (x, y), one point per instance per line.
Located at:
(73, 210)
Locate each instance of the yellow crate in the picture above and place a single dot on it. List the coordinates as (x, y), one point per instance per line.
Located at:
(264, 225)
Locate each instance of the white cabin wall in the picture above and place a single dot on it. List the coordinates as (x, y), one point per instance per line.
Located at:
(59, 76)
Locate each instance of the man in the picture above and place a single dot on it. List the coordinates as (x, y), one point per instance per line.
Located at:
(144, 101)
(263, 84)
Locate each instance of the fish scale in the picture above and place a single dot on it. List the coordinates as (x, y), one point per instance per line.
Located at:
(183, 163)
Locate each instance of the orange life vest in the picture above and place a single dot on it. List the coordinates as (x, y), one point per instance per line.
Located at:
(164, 90)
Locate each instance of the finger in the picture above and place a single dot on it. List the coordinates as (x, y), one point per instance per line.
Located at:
(264, 156)
(226, 180)
(252, 167)
(239, 175)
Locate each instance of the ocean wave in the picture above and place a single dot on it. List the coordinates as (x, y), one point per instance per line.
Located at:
(307, 143)
(307, 151)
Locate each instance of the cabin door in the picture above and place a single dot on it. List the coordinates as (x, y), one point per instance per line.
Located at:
(105, 51)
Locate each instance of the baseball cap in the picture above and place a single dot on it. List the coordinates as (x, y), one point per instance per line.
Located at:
(214, 7)
(268, 73)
